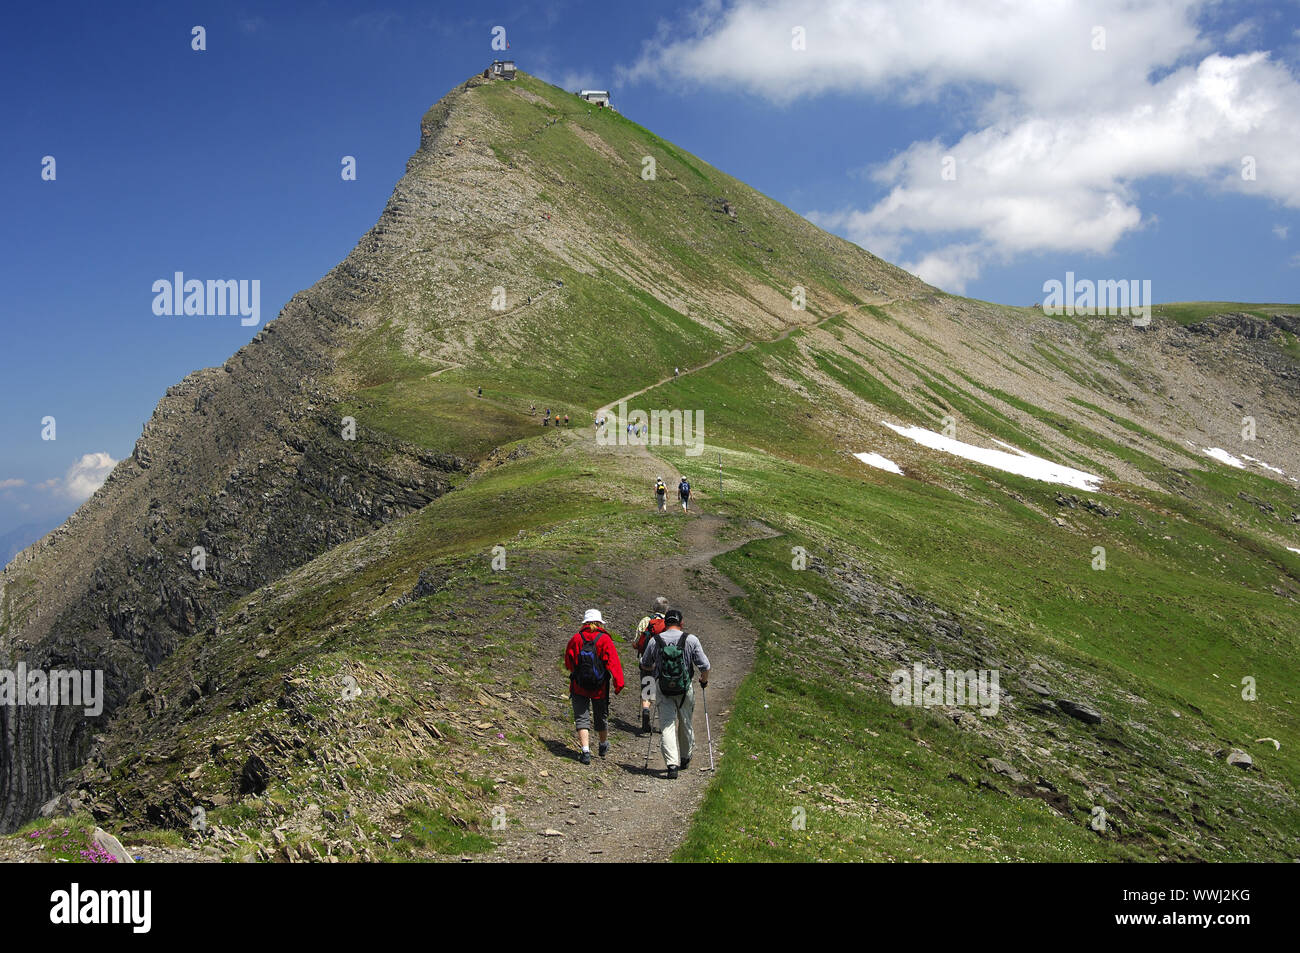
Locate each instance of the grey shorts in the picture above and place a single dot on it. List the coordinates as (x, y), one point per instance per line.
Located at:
(586, 709)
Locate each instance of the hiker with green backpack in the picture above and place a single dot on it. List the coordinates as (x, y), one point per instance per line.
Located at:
(592, 660)
(673, 657)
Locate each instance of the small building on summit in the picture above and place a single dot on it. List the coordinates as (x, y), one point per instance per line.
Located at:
(500, 69)
(599, 97)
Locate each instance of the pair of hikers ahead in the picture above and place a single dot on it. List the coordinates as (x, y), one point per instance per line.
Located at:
(683, 494)
(669, 659)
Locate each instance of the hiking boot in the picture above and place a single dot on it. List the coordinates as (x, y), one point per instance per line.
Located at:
(645, 721)
(586, 757)
(686, 763)
(672, 773)
(604, 748)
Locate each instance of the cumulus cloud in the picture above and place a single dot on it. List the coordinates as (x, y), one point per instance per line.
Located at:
(1074, 105)
(11, 484)
(87, 475)
(1043, 52)
(82, 479)
(1069, 183)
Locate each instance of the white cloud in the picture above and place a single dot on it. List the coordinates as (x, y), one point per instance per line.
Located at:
(1281, 231)
(1243, 32)
(950, 267)
(1069, 183)
(1063, 133)
(83, 478)
(1042, 52)
(11, 484)
(87, 475)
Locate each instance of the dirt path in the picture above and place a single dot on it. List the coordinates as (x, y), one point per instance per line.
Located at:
(726, 354)
(615, 809)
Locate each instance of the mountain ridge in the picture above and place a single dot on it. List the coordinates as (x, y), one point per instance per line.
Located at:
(609, 280)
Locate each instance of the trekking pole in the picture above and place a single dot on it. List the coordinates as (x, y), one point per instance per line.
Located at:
(649, 742)
(709, 731)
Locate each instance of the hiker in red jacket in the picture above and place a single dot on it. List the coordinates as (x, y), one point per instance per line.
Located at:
(592, 659)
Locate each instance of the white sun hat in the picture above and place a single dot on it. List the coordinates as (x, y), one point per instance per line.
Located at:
(592, 615)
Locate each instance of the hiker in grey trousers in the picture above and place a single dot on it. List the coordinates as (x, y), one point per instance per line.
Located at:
(677, 712)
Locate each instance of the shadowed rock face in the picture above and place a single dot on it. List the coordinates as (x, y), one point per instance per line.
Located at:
(241, 461)
(247, 461)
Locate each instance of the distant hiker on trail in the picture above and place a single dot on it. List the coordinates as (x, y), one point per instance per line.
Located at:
(480, 391)
(532, 410)
(684, 494)
(592, 660)
(661, 494)
(673, 657)
(677, 371)
(566, 420)
(646, 629)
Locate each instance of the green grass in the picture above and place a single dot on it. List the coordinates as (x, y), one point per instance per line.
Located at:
(1191, 312)
(428, 831)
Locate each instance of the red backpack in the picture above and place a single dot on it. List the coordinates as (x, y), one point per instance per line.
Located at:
(655, 627)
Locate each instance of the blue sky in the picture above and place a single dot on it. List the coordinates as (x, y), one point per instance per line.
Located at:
(1118, 161)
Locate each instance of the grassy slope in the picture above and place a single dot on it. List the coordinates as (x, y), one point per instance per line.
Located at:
(1190, 312)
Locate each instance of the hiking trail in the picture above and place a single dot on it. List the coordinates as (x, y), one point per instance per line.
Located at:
(614, 809)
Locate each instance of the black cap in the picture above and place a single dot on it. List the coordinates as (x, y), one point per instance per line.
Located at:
(673, 617)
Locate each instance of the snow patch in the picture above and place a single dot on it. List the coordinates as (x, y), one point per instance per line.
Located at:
(1019, 462)
(1223, 456)
(1008, 446)
(1261, 463)
(879, 462)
